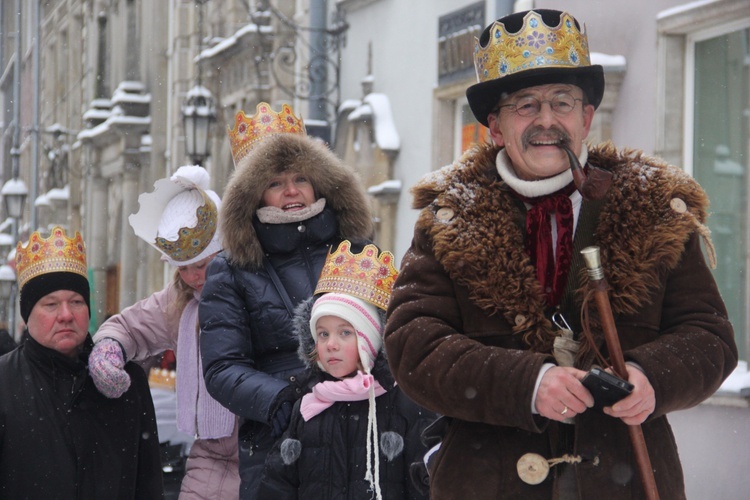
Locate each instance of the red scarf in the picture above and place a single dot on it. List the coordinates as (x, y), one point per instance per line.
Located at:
(551, 272)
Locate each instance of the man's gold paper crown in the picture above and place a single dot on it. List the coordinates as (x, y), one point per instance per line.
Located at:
(191, 241)
(366, 275)
(58, 253)
(249, 130)
(536, 45)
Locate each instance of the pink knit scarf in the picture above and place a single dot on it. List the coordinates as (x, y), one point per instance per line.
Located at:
(324, 394)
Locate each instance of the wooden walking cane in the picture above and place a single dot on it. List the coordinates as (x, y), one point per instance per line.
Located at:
(596, 276)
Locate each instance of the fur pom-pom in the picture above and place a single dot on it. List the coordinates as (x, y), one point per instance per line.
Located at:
(290, 450)
(391, 444)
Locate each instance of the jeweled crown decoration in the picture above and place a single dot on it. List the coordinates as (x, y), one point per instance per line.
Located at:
(247, 131)
(57, 253)
(191, 241)
(536, 45)
(368, 275)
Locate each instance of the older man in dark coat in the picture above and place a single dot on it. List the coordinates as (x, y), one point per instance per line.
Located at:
(485, 321)
(59, 437)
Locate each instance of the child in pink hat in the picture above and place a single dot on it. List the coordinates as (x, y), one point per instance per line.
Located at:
(355, 435)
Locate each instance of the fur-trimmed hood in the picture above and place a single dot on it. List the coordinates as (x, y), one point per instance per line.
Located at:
(302, 313)
(274, 155)
(650, 211)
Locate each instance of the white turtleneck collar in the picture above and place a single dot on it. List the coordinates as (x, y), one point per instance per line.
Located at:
(533, 189)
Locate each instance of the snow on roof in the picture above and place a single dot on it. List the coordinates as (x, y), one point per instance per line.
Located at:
(391, 186)
(378, 107)
(199, 91)
(129, 120)
(319, 123)
(14, 186)
(610, 62)
(386, 135)
(59, 194)
(361, 112)
(42, 201)
(348, 105)
(90, 133)
(101, 102)
(121, 96)
(97, 114)
(683, 8)
(232, 40)
(131, 86)
(115, 119)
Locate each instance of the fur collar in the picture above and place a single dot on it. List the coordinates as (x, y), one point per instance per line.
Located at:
(332, 180)
(480, 244)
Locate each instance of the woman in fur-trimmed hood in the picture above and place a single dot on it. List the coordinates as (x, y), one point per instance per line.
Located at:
(288, 201)
(355, 435)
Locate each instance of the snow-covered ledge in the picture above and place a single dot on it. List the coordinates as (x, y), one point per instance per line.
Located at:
(735, 391)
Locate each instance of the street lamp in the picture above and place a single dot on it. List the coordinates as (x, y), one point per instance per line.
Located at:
(14, 194)
(198, 112)
(7, 283)
(7, 280)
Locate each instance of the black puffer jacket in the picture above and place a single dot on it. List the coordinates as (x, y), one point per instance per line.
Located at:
(248, 349)
(326, 457)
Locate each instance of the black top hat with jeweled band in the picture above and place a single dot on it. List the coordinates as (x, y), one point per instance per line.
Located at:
(530, 48)
(180, 217)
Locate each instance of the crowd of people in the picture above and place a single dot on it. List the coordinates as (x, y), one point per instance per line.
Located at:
(308, 366)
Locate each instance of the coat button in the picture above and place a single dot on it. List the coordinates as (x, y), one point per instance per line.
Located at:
(445, 214)
(520, 319)
(532, 468)
(678, 205)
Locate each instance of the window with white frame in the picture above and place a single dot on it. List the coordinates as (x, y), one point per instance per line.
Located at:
(717, 137)
(703, 114)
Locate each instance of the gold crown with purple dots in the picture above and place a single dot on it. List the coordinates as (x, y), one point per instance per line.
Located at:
(368, 275)
(54, 254)
(536, 45)
(248, 130)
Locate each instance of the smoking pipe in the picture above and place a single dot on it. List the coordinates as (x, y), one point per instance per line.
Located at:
(592, 186)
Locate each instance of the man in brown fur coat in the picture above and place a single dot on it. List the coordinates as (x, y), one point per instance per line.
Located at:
(472, 329)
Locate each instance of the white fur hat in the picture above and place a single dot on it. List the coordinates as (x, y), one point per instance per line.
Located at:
(180, 217)
(362, 316)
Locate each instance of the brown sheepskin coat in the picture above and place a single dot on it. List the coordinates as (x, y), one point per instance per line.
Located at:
(467, 334)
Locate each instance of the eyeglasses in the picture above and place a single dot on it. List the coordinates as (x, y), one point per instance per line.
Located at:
(561, 105)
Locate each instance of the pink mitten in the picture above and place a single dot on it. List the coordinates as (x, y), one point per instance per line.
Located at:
(106, 367)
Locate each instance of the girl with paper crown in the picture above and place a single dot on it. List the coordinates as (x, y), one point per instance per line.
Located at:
(356, 432)
(288, 201)
(180, 219)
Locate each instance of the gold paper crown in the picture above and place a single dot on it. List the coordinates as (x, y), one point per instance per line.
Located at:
(191, 241)
(58, 253)
(366, 275)
(536, 45)
(265, 122)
